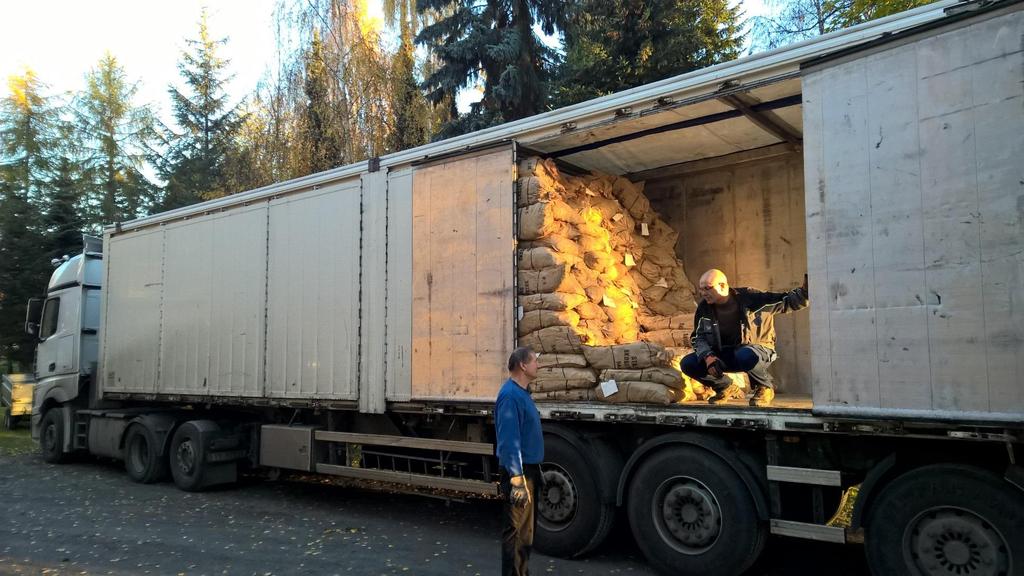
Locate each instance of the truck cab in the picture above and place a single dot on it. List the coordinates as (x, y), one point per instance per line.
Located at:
(66, 324)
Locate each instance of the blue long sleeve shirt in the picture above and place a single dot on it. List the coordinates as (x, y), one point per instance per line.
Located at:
(517, 426)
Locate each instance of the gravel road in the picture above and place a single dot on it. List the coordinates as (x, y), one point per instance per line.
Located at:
(88, 518)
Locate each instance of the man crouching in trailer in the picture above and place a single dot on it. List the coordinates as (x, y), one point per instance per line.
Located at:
(520, 451)
(734, 331)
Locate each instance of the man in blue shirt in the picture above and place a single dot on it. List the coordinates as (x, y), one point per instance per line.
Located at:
(520, 452)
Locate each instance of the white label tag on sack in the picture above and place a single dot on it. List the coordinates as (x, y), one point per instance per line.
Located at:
(609, 388)
(661, 283)
(629, 260)
(644, 230)
(617, 217)
(608, 301)
(519, 312)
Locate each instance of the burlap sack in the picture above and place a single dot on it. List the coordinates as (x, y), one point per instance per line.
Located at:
(577, 395)
(560, 244)
(634, 356)
(590, 311)
(555, 340)
(566, 373)
(562, 360)
(662, 307)
(546, 219)
(548, 280)
(555, 301)
(640, 392)
(664, 257)
(558, 384)
(655, 293)
(663, 375)
(595, 293)
(543, 257)
(537, 319)
(532, 190)
(667, 338)
(650, 270)
(677, 322)
(632, 198)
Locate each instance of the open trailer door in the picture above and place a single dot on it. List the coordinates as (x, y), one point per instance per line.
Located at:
(463, 274)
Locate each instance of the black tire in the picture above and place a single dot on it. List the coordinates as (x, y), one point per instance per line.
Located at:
(946, 519)
(572, 516)
(9, 421)
(187, 458)
(142, 459)
(691, 513)
(51, 437)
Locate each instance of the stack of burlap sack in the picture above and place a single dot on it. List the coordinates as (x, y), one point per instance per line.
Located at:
(602, 294)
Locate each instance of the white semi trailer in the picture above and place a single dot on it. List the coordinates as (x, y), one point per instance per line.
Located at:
(356, 322)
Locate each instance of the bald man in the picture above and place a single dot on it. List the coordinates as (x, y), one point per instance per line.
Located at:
(734, 331)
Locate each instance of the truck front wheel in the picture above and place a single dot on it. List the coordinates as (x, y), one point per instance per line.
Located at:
(573, 517)
(946, 519)
(51, 436)
(142, 458)
(692, 514)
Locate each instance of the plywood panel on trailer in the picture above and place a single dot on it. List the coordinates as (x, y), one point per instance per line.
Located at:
(463, 286)
(399, 287)
(373, 292)
(313, 294)
(131, 327)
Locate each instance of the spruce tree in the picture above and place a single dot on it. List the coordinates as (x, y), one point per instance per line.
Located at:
(795, 20)
(28, 137)
(116, 137)
(322, 137)
(491, 41)
(614, 45)
(194, 164)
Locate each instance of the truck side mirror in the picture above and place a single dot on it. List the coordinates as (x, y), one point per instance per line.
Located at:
(32, 314)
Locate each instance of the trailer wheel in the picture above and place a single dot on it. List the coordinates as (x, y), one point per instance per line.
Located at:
(142, 458)
(692, 514)
(9, 421)
(946, 519)
(572, 516)
(51, 437)
(187, 458)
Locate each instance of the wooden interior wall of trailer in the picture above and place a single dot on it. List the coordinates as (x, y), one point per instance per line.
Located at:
(746, 219)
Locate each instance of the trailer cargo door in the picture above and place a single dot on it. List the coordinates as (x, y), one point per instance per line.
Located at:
(463, 290)
(313, 294)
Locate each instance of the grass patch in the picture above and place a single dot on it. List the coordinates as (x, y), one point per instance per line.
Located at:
(17, 441)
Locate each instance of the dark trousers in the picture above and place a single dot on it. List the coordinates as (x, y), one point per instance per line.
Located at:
(754, 360)
(517, 524)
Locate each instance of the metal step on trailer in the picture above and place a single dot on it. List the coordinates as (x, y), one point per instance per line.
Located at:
(835, 529)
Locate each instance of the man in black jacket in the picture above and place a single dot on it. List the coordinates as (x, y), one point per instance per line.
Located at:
(734, 331)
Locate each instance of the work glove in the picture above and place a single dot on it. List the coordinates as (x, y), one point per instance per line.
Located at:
(520, 493)
(715, 366)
